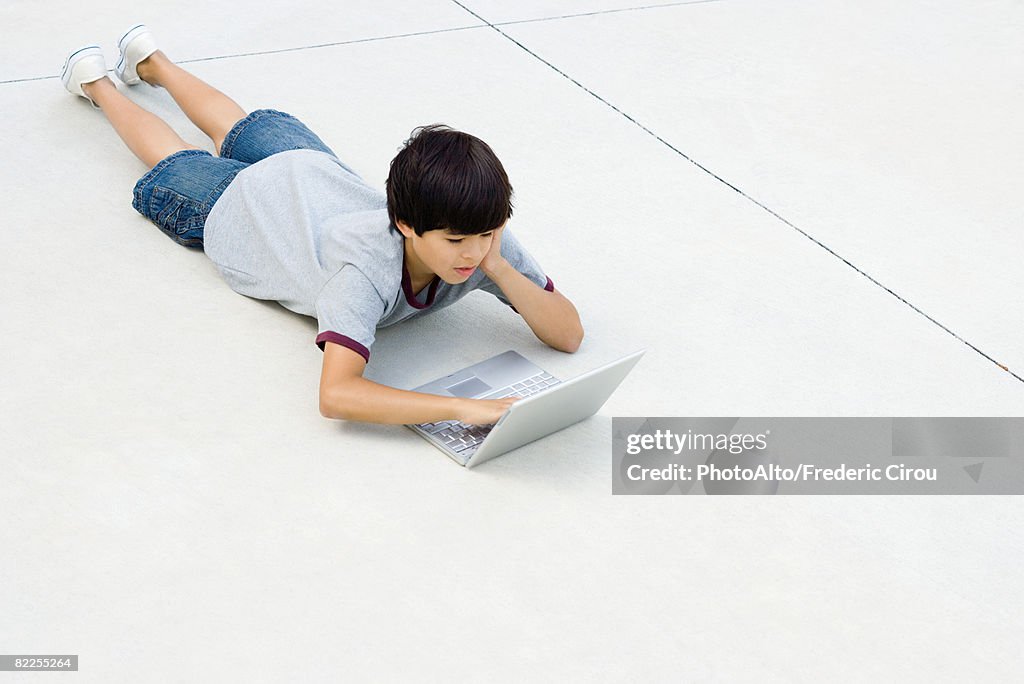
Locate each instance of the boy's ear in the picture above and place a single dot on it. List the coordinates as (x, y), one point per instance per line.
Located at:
(405, 229)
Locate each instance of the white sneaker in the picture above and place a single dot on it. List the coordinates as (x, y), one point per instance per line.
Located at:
(135, 45)
(84, 65)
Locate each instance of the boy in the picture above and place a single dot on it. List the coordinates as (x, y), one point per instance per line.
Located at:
(282, 218)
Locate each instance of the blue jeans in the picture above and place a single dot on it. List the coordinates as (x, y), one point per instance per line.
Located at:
(178, 193)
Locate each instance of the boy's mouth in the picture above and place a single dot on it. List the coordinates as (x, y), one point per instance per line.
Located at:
(465, 271)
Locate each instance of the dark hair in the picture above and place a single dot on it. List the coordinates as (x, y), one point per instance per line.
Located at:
(446, 179)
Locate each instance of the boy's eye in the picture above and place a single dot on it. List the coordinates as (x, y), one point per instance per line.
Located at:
(457, 241)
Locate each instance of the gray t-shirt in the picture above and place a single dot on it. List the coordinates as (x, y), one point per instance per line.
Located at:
(304, 229)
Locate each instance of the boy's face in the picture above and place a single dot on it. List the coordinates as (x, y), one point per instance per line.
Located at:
(454, 258)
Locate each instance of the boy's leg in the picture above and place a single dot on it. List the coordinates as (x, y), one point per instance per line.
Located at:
(145, 134)
(211, 110)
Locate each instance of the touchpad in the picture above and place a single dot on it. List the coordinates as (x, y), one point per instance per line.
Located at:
(472, 387)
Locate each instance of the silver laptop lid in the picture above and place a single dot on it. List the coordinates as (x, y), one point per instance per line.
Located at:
(553, 409)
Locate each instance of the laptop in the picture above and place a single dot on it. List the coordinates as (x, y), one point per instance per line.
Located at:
(548, 404)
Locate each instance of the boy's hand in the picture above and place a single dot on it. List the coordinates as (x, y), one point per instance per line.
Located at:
(483, 411)
(493, 261)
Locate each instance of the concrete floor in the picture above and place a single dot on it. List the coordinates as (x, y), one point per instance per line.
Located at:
(804, 207)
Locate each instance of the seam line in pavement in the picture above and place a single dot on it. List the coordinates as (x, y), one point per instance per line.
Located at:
(399, 35)
(727, 183)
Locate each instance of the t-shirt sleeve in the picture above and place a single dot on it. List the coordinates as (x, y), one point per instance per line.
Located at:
(519, 259)
(348, 309)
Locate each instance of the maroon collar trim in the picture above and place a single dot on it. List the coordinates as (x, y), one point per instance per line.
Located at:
(410, 296)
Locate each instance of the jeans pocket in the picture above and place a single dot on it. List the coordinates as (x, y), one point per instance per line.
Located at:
(178, 216)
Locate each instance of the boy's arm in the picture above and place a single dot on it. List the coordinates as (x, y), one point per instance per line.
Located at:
(552, 317)
(346, 394)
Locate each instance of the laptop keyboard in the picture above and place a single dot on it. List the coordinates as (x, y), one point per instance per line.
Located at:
(463, 439)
